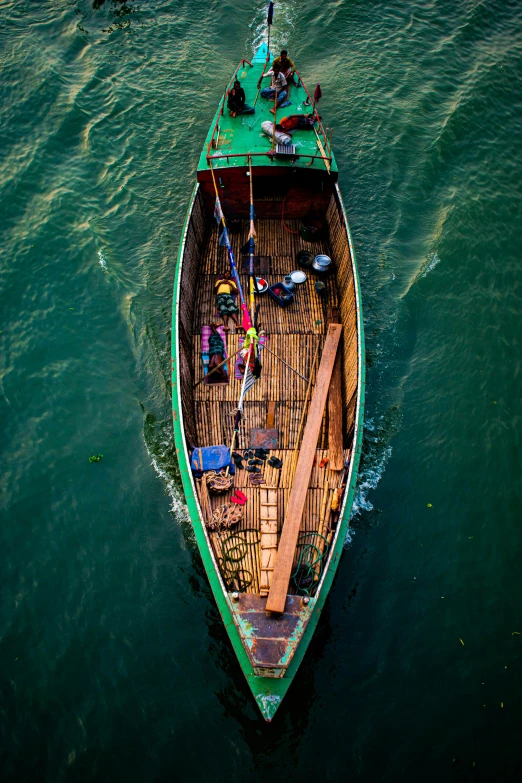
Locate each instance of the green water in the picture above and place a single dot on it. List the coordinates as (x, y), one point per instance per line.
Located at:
(113, 661)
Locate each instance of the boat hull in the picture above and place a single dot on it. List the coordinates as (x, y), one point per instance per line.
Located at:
(268, 691)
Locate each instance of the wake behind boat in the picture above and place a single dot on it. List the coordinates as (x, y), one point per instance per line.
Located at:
(268, 369)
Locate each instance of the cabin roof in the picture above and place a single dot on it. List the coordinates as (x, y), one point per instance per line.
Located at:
(241, 135)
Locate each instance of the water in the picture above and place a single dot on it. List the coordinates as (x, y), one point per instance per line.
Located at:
(113, 661)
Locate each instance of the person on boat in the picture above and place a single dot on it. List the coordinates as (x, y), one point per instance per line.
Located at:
(226, 289)
(297, 122)
(216, 352)
(237, 101)
(277, 87)
(286, 65)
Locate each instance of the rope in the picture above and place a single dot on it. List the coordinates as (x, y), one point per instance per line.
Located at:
(218, 482)
(283, 219)
(307, 573)
(234, 549)
(226, 515)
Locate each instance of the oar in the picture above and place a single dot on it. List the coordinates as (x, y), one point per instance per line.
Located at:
(321, 150)
(228, 359)
(269, 20)
(286, 364)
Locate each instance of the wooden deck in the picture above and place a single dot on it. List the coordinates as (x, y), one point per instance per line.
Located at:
(294, 334)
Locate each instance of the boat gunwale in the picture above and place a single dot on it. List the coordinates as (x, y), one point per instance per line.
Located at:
(351, 479)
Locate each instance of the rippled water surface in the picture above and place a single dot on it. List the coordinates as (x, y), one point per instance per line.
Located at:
(113, 661)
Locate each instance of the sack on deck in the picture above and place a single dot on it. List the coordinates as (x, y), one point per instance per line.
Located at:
(281, 138)
(211, 458)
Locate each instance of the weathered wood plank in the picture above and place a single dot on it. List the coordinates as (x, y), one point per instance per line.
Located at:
(335, 405)
(287, 544)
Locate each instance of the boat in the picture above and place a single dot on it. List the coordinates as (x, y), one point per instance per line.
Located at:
(268, 439)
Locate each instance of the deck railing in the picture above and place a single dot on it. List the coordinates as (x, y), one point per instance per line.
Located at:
(269, 153)
(223, 99)
(327, 144)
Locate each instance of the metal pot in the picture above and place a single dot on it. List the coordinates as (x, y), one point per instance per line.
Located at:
(305, 258)
(322, 264)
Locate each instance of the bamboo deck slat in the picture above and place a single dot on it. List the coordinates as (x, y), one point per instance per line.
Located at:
(293, 334)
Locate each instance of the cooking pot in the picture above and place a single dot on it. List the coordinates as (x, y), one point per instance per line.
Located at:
(322, 264)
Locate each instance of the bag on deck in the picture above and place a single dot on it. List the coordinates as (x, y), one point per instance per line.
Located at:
(211, 458)
(281, 138)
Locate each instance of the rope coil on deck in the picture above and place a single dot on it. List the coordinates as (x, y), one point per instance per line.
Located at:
(218, 482)
(307, 573)
(234, 549)
(225, 516)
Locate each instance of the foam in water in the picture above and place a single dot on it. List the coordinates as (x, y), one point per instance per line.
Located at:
(103, 262)
(373, 468)
(178, 507)
(431, 263)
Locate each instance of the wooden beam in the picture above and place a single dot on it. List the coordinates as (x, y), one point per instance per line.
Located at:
(296, 503)
(335, 405)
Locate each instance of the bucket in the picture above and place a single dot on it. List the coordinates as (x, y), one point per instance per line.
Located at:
(310, 230)
(305, 258)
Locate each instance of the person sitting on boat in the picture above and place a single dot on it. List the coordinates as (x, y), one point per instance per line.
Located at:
(237, 101)
(286, 65)
(277, 85)
(297, 122)
(226, 306)
(216, 352)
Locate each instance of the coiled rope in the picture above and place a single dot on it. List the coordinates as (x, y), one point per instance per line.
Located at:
(308, 570)
(234, 550)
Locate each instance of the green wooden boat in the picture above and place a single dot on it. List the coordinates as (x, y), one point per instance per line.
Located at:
(270, 560)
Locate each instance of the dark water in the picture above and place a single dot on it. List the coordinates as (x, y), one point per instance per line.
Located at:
(113, 662)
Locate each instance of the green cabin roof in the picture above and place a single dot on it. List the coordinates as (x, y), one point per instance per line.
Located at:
(242, 134)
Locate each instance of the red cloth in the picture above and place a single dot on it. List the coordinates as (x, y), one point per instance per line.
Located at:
(317, 93)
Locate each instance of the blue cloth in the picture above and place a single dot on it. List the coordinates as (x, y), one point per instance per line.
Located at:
(269, 92)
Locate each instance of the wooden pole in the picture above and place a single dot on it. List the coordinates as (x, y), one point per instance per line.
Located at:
(335, 405)
(303, 414)
(275, 112)
(228, 359)
(286, 364)
(321, 150)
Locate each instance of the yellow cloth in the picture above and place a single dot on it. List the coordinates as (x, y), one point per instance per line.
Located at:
(289, 64)
(225, 286)
(250, 337)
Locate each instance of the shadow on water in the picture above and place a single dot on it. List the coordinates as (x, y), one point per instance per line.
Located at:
(119, 11)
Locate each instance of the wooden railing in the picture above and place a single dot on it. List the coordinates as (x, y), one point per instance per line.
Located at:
(269, 153)
(222, 106)
(327, 144)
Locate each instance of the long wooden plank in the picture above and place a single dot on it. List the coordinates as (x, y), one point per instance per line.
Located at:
(335, 406)
(296, 503)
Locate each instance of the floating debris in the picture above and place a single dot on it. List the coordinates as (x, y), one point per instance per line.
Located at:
(96, 458)
(460, 640)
